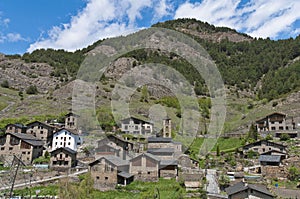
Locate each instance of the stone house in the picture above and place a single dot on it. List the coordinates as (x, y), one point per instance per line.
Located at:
(165, 143)
(192, 178)
(115, 146)
(136, 127)
(15, 128)
(243, 190)
(26, 145)
(62, 158)
(66, 138)
(274, 122)
(168, 169)
(184, 161)
(162, 153)
(42, 131)
(145, 167)
(107, 149)
(263, 146)
(108, 171)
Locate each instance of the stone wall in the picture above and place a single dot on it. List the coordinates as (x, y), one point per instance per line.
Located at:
(274, 171)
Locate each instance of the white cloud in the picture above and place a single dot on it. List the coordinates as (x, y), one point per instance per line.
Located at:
(258, 18)
(11, 37)
(98, 20)
(14, 37)
(163, 8)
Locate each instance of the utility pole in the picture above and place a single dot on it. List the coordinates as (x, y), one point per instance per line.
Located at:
(14, 171)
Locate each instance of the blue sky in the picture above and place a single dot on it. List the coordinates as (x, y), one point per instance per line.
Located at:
(74, 24)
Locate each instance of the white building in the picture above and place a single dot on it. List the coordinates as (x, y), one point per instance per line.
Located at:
(136, 126)
(66, 138)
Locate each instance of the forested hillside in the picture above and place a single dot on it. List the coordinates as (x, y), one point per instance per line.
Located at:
(243, 61)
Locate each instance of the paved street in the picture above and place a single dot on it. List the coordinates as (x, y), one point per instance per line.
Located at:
(212, 181)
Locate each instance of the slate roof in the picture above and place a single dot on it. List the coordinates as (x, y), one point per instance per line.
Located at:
(260, 188)
(125, 174)
(113, 160)
(160, 150)
(275, 113)
(241, 186)
(64, 149)
(135, 120)
(148, 155)
(238, 187)
(41, 123)
(72, 131)
(70, 113)
(168, 162)
(159, 140)
(275, 151)
(269, 158)
(260, 142)
(17, 125)
(30, 139)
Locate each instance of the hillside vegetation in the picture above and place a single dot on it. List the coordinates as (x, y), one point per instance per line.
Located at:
(259, 75)
(243, 61)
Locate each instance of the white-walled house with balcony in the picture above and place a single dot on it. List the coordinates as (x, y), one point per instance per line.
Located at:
(136, 126)
(66, 138)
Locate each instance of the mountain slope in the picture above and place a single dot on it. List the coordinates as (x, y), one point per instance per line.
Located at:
(257, 73)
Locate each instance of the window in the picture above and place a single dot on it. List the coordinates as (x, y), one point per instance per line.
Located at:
(56, 137)
(2, 148)
(126, 127)
(28, 152)
(149, 172)
(69, 138)
(55, 143)
(97, 177)
(41, 132)
(60, 155)
(67, 155)
(281, 128)
(273, 128)
(69, 143)
(10, 148)
(106, 178)
(24, 152)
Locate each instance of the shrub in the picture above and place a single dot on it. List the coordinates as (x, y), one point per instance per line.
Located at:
(284, 137)
(5, 84)
(31, 90)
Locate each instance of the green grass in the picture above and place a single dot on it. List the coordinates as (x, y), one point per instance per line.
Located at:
(167, 189)
(43, 190)
(225, 145)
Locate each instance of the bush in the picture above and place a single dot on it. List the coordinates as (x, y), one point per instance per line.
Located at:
(5, 84)
(284, 137)
(31, 90)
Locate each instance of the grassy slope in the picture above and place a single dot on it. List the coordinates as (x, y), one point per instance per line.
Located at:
(136, 190)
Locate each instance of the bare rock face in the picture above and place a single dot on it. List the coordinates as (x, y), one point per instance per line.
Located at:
(216, 37)
(21, 75)
(119, 67)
